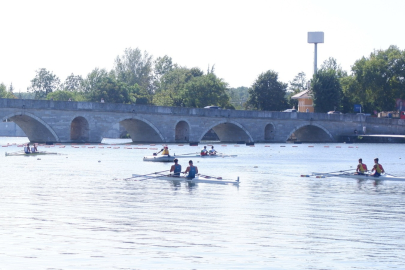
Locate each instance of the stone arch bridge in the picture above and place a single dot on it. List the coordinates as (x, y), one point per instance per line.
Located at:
(68, 122)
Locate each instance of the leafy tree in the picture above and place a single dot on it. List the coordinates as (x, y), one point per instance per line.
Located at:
(326, 88)
(44, 83)
(4, 93)
(135, 68)
(206, 90)
(298, 84)
(238, 96)
(63, 95)
(93, 79)
(171, 88)
(113, 91)
(267, 93)
(378, 80)
(73, 83)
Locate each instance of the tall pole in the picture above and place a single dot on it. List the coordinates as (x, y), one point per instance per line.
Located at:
(315, 57)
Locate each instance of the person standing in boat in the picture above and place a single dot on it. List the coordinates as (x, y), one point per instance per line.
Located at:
(176, 168)
(361, 167)
(212, 151)
(204, 151)
(191, 170)
(377, 168)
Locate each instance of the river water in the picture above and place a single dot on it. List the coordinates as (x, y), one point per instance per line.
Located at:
(77, 211)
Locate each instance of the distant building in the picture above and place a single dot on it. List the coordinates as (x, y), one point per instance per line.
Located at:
(305, 101)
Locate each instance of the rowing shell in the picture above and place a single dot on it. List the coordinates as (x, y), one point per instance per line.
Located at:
(22, 153)
(197, 179)
(384, 177)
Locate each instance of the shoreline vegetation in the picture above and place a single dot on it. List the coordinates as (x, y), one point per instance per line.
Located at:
(376, 83)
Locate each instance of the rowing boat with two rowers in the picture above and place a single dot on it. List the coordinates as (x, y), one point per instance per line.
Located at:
(345, 174)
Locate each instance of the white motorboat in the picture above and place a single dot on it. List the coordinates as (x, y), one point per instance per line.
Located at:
(159, 158)
(383, 177)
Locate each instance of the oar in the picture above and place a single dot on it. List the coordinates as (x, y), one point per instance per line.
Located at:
(188, 154)
(343, 171)
(143, 175)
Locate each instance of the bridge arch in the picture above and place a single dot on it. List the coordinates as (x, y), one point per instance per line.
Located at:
(182, 131)
(311, 133)
(229, 131)
(141, 130)
(79, 129)
(269, 132)
(34, 127)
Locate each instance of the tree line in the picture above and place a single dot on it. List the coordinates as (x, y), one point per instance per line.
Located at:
(375, 82)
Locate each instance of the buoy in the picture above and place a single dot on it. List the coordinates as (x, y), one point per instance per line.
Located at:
(255, 167)
(38, 159)
(99, 161)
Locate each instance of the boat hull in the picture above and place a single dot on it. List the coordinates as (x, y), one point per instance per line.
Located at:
(208, 180)
(361, 177)
(22, 153)
(159, 158)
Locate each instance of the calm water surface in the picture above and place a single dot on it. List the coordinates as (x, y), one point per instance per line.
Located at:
(77, 211)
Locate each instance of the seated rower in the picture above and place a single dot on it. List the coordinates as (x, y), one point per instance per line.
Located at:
(212, 151)
(165, 151)
(35, 147)
(27, 149)
(191, 170)
(204, 151)
(176, 168)
(361, 168)
(377, 168)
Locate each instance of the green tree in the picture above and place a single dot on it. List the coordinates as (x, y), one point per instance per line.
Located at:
(206, 90)
(298, 84)
(44, 83)
(135, 68)
(73, 83)
(4, 93)
(267, 93)
(326, 88)
(63, 95)
(171, 89)
(379, 80)
(113, 91)
(238, 96)
(93, 79)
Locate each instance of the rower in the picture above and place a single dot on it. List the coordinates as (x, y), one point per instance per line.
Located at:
(204, 151)
(212, 151)
(361, 167)
(378, 168)
(176, 168)
(27, 149)
(165, 151)
(191, 170)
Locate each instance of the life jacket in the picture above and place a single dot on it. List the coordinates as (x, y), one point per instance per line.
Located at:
(165, 151)
(362, 167)
(378, 168)
(191, 173)
(177, 170)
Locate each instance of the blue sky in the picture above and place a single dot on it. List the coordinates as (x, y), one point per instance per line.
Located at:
(241, 38)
